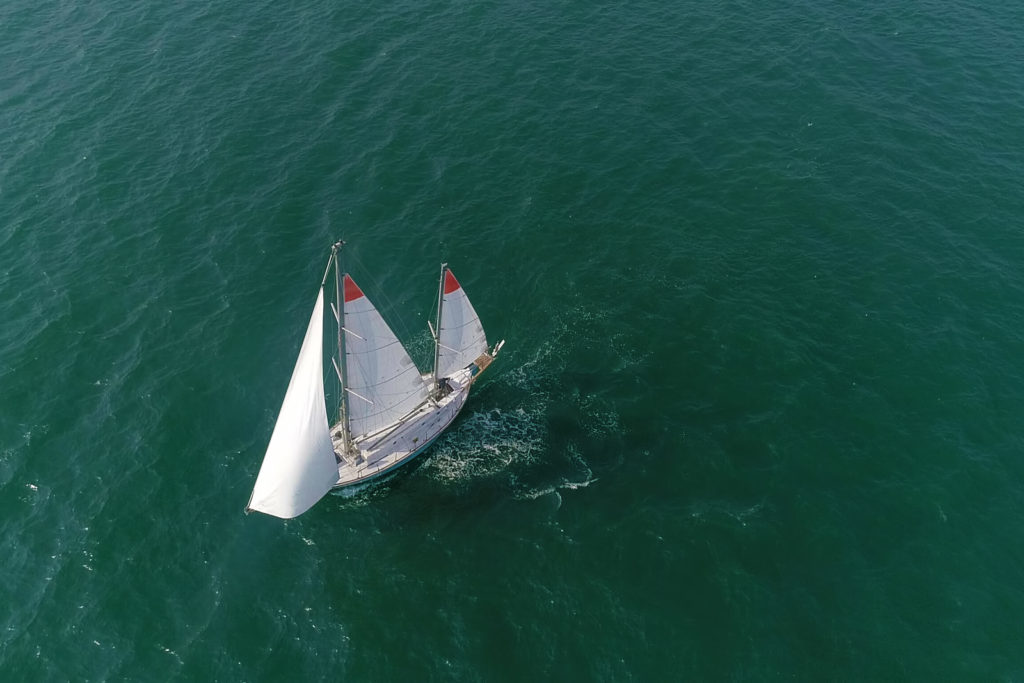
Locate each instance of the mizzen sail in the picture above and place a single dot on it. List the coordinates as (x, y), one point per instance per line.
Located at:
(384, 384)
(299, 467)
(461, 337)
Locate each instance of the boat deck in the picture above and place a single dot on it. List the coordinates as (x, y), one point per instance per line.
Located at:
(388, 448)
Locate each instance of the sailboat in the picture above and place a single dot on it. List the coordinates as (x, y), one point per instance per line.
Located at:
(388, 411)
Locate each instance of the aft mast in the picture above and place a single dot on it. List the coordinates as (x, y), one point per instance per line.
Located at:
(339, 313)
(437, 329)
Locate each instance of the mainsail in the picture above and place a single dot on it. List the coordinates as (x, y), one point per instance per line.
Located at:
(383, 383)
(461, 337)
(299, 467)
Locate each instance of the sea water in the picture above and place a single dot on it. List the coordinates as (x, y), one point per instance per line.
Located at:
(758, 264)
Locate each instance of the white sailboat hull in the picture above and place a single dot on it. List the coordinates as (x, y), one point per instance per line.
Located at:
(390, 412)
(388, 449)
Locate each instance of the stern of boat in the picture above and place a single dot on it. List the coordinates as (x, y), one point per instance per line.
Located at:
(484, 360)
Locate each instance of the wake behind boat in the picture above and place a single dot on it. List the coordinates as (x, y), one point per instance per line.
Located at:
(388, 411)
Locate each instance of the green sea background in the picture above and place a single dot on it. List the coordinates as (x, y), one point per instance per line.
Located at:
(758, 266)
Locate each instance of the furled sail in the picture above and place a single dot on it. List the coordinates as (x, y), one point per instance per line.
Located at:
(384, 384)
(299, 467)
(461, 336)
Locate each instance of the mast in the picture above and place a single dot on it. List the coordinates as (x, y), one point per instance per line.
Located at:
(437, 328)
(345, 436)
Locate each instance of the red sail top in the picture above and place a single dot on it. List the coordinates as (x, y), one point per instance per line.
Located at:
(352, 291)
(450, 283)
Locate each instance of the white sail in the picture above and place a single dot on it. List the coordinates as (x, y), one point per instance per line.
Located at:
(461, 336)
(384, 384)
(300, 466)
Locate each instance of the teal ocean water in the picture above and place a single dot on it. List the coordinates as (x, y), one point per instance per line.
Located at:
(759, 415)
